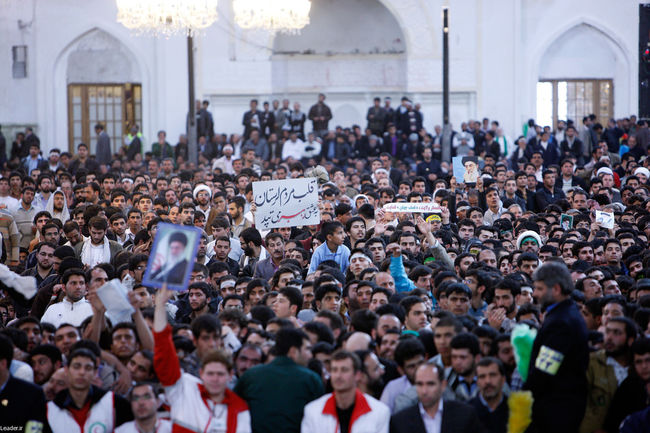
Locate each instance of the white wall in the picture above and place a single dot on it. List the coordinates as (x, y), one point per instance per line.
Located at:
(497, 51)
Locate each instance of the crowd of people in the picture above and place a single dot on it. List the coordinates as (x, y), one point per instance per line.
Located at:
(367, 321)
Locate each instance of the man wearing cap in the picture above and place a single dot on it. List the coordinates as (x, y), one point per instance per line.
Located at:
(202, 195)
(225, 162)
(529, 241)
(172, 268)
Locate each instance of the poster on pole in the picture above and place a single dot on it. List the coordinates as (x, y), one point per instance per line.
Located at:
(286, 203)
(172, 256)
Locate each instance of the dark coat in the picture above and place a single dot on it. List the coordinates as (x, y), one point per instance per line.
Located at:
(495, 421)
(25, 402)
(103, 154)
(557, 371)
(456, 418)
(277, 393)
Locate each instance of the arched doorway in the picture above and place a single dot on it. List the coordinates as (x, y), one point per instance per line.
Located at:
(103, 86)
(580, 73)
(349, 58)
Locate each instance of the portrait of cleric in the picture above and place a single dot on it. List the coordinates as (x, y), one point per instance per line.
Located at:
(172, 254)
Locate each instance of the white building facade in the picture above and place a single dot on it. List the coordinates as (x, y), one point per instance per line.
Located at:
(82, 66)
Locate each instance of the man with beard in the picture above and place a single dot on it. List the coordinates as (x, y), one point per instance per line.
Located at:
(236, 211)
(45, 188)
(607, 369)
(144, 405)
(221, 251)
(97, 248)
(198, 296)
(44, 262)
(203, 194)
(32, 327)
(57, 206)
(560, 355)
(45, 360)
(251, 242)
(503, 314)
(171, 269)
(265, 268)
(465, 353)
(490, 404)
(371, 381)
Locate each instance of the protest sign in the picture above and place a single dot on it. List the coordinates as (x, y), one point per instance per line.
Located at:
(413, 207)
(286, 203)
(172, 256)
(605, 219)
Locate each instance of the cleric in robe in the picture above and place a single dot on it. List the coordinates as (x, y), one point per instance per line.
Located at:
(172, 267)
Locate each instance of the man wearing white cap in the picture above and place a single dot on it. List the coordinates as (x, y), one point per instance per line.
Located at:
(643, 174)
(606, 175)
(225, 162)
(202, 195)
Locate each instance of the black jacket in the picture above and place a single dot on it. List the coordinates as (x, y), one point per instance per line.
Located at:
(456, 418)
(25, 402)
(556, 377)
(495, 421)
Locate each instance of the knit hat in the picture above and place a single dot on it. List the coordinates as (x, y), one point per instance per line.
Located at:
(528, 235)
(202, 187)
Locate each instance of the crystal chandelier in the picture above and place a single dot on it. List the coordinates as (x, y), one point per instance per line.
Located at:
(284, 16)
(167, 17)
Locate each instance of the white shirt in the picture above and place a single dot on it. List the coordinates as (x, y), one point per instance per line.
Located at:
(431, 425)
(96, 254)
(67, 312)
(293, 149)
(9, 203)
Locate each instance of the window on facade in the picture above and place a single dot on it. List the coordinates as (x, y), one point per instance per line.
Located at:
(574, 99)
(116, 106)
(19, 64)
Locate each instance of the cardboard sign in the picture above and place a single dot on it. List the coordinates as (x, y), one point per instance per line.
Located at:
(413, 207)
(286, 203)
(172, 256)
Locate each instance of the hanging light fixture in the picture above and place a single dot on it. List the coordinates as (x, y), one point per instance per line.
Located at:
(284, 16)
(166, 17)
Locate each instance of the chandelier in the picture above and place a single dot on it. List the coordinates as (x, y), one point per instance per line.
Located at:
(284, 16)
(167, 17)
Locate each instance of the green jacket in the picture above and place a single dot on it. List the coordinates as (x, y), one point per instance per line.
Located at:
(277, 393)
(601, 386)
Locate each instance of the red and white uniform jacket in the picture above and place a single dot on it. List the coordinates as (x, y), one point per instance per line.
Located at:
(368, 416)
(102, 412)
(191, 408)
